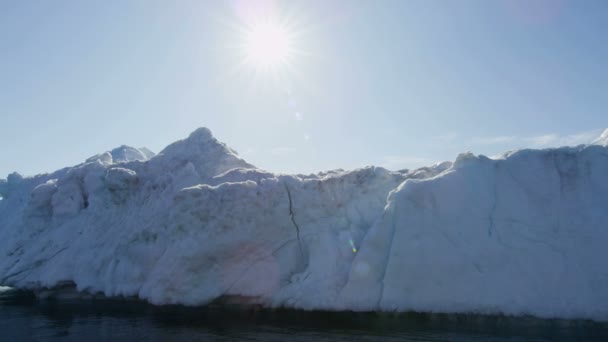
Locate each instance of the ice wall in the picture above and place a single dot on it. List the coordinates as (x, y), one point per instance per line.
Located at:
(520, 234)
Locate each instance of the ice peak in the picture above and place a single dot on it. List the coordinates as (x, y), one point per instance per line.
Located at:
(201, 134)
(208, 155)
(200, 139)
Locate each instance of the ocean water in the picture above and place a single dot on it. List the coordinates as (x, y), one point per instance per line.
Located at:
(25, 318)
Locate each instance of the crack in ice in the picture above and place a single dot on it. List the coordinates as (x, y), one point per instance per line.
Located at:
(293, 220)
(32, 266)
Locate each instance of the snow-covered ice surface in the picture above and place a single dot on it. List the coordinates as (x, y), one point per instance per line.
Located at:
(603, 139)
(525, 233)
(123, 154)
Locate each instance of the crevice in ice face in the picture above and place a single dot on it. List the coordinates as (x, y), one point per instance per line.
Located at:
(84, 193)
(387, 258)
(32, 266)
(293, 220)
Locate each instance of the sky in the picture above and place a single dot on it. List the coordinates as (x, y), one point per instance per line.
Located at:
(399, 84)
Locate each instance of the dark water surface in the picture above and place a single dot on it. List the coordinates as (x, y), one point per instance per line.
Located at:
(23, 318)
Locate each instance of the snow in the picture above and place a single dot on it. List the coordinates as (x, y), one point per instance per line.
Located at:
(524, 233)
(603, 139)
(123, 154)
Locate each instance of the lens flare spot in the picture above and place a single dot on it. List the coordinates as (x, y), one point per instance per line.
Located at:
(352, 245)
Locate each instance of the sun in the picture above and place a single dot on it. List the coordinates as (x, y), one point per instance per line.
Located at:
(268, 44)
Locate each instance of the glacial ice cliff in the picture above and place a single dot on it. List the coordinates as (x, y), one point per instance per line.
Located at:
(523, 233)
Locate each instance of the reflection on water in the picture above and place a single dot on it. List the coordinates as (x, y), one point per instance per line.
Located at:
(23, 318)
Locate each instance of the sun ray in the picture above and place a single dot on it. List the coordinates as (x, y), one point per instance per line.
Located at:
(268, 44)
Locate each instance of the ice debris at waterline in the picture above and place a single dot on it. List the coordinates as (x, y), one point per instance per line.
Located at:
(524, 233)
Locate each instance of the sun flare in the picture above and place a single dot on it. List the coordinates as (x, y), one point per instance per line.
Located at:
(268, 45)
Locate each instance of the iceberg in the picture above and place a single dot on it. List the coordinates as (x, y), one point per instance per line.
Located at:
(524, 233)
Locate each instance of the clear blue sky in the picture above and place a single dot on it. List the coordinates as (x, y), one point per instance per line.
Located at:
(394, 83)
